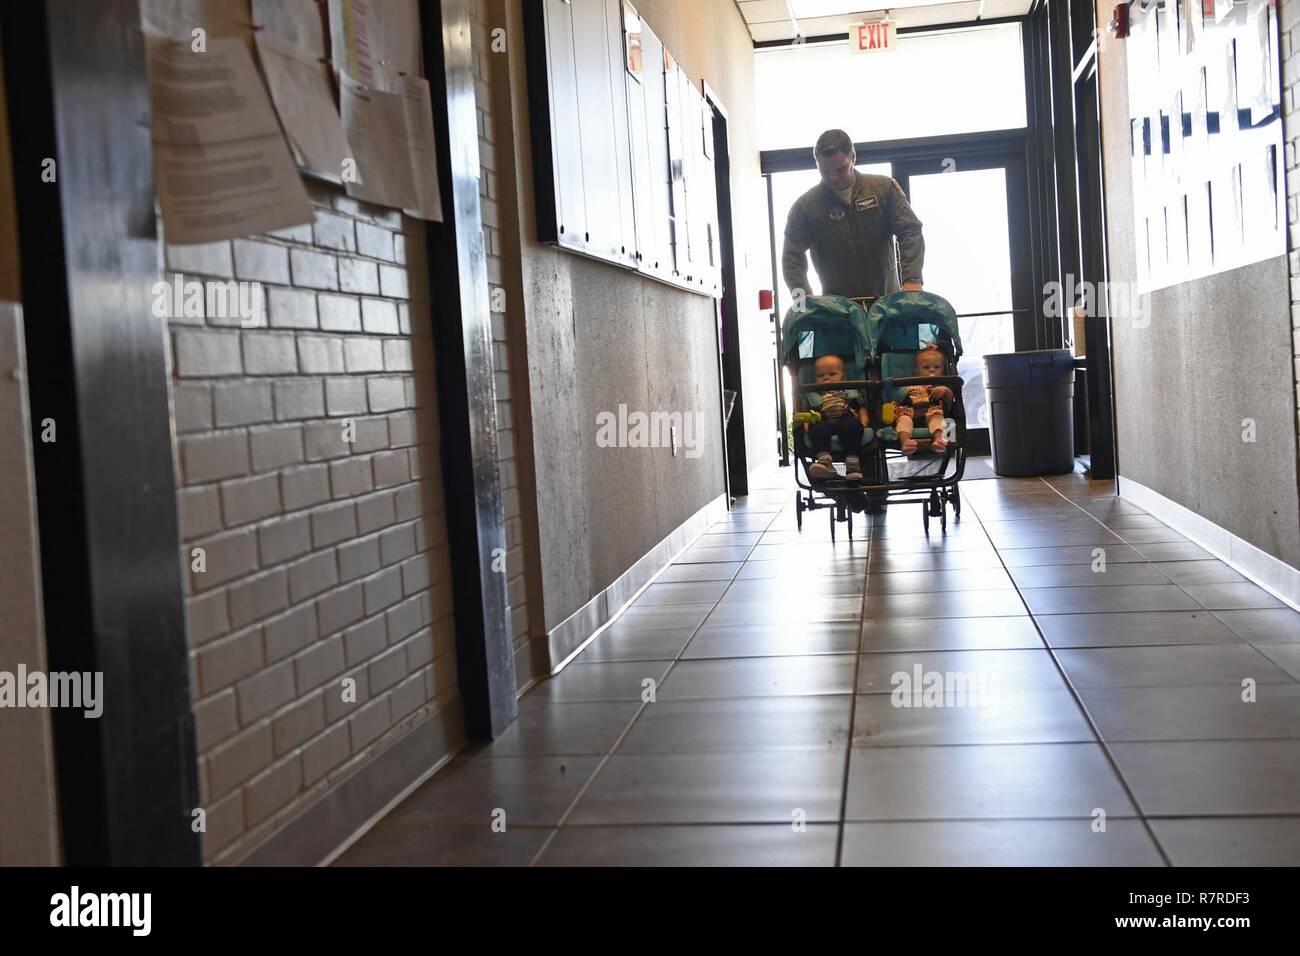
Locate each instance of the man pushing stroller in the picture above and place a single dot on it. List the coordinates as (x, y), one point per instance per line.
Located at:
(848, 222)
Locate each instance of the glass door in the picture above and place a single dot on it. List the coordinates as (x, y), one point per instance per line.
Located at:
(977, 257)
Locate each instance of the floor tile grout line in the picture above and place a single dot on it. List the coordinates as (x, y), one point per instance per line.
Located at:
(853, 698)
(853, 703)
(1238, 639)
(661, 825)
(1079, 702)
(550, 838)
(882, 748)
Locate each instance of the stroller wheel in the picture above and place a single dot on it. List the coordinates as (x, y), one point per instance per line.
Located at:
(831, 511)
(943, 518)
(798, 510)
(956, 502)
(876, 502)
(925, 517)
(850, 516)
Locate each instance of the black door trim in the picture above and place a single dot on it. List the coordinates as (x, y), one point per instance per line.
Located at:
(106, 495)
(899, 150)
(736, 457)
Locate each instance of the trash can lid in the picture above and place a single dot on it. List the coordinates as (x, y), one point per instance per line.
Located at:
(1039, 367)
(1052, 352)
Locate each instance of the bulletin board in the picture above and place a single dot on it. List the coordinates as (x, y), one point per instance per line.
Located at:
(1206, 132)
(247, 96)
(622, 144)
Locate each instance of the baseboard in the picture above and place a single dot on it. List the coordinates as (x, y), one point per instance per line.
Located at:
(1275, 576)
(568, 638)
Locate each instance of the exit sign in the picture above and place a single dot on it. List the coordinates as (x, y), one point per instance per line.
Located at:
(875, 37)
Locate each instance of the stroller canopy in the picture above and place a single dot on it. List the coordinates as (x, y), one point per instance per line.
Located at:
(826, 325)
(905, 321)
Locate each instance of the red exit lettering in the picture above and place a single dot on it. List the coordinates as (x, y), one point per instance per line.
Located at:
(873, 36)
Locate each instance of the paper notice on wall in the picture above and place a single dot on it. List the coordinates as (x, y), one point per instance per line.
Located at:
(228, 190)
(296, 25)
(374, 123)
(222, 168)
(196, 21)
(304, 98)
(422, 149)
(211, 97)
(376, 42)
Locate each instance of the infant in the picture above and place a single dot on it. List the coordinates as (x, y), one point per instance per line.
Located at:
(923, 401)
(844, 415)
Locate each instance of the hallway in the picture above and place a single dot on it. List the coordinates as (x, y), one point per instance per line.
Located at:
(773, 737)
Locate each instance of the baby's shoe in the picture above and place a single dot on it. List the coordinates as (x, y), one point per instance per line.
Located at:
(823, 467)
(852, 470)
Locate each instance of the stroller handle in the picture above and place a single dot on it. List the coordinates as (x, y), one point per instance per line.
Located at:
(954, 381)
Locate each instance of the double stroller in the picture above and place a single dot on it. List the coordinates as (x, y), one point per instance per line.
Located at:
(879, 349)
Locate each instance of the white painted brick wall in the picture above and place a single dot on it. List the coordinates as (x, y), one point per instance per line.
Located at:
(323, 558)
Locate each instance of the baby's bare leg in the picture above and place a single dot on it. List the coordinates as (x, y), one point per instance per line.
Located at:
(934, 423)
(903, 425)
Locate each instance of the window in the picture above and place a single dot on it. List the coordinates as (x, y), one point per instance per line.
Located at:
(959, 81)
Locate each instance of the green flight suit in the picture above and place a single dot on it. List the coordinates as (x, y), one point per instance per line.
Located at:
(852, 245)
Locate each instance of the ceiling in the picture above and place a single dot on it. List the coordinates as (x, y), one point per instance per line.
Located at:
(786, 19)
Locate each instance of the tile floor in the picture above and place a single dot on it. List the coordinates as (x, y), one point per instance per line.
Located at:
(773, 737)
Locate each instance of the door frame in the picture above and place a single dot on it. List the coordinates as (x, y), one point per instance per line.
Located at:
(735, 461)
(1091, 217)
(467, 398)
(110, 552)
(1028, 323)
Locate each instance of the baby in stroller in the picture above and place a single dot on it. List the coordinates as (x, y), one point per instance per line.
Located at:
(924, 401)
(843, 415)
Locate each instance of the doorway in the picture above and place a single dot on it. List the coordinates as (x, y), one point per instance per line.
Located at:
(1091, 216)
(733, 403)
(975, 214)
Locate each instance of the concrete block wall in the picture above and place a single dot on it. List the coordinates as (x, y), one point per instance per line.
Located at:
(1189, 322)
(326, 560)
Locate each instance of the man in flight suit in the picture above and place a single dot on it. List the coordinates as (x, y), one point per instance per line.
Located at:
(849, 221)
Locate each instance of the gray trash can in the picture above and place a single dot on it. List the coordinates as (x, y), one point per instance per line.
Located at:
(1031, 412)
